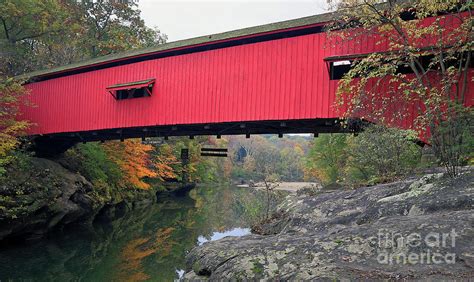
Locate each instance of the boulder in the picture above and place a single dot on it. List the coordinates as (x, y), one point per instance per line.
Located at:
(414, 229)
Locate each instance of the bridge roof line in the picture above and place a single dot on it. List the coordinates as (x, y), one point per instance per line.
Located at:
(300, 23)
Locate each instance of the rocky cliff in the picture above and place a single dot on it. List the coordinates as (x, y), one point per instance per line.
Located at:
(47, 196)
(413, 229)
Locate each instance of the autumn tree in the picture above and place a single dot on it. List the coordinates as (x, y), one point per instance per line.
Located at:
(426, 64)
(265, 155)
(164, 161)
(134, 160)
(291, 164)
(262, 157)
(23, 23)
(10, 125)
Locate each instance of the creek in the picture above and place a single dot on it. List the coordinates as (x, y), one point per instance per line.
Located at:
(143, 244)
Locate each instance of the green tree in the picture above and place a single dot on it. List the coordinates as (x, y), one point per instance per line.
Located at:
(378, 154)
(23, 26)
(37, 34)
(327, 158)
(114, 26)
(91, 161)
(453, 139)
(426, 65)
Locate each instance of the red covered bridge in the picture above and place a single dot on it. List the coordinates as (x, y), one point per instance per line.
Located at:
(277, 78)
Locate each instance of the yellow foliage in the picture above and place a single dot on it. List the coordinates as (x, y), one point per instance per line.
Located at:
(311, 173)
(11, 126)
(133, 158)
(138, 162)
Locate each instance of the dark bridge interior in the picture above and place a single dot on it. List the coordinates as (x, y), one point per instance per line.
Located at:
(52, 144)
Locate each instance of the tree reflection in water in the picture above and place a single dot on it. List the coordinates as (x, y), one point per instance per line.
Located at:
(144, 244)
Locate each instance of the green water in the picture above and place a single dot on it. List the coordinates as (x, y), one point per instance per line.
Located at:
(146, 244)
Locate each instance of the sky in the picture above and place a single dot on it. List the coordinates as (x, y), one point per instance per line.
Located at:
(183, 19)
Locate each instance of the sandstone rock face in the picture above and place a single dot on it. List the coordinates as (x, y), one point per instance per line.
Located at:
(418, 228)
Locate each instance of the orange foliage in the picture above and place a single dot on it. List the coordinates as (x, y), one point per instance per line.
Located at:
(136, 250)
(163, 161)
(133, 158)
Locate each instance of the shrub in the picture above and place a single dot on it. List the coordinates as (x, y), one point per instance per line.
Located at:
(379, 154)
(453, 141)
(91, 161)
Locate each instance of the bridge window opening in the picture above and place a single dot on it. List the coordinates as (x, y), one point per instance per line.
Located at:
(138, 89)
(133, 93)
(427, 62)
(338, 69)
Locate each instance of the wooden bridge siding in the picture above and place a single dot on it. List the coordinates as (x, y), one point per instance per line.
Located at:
(284, 79)
(273, 80)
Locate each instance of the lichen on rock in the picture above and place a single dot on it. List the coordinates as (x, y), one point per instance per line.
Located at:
(345, 235)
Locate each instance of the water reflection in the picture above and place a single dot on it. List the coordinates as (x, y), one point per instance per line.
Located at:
(148, 244)
(236, 232)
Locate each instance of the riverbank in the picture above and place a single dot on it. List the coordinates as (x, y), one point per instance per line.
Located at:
(291, 187)
(412, 229)
(146, 243)
(45, 196)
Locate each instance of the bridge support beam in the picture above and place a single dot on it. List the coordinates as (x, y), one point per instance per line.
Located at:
(53, 144)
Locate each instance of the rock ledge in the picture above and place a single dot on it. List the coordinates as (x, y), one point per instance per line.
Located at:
(413, 229)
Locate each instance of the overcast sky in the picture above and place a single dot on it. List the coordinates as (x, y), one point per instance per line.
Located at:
(186, 19)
